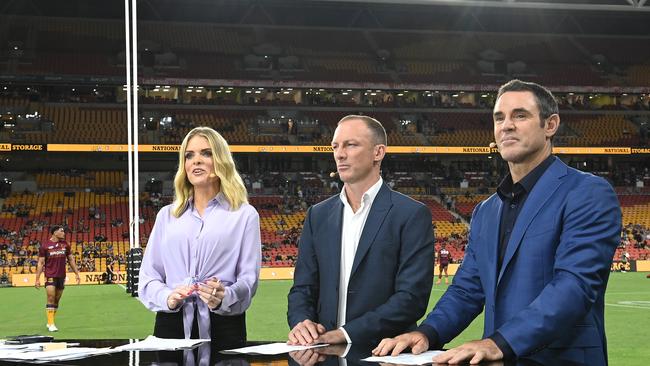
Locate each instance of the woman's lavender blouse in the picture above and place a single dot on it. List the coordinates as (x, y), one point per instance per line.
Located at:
(223, 244)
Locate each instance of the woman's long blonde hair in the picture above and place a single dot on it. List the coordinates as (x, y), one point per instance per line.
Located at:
(232, 185)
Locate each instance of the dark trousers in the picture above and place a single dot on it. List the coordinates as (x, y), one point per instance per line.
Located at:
(225, 331)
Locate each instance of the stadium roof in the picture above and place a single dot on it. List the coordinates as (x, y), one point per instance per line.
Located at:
(591, 5)
(583, 17)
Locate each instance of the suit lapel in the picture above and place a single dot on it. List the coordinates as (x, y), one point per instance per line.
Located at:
(335, 221)
(542, 192)
(380, 207)
(491, 226)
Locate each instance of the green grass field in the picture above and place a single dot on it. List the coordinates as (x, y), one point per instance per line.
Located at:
(108, 312)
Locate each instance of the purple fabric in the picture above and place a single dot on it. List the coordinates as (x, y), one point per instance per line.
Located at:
(223, 244)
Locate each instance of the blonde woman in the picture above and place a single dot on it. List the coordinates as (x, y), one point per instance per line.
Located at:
(202, 262)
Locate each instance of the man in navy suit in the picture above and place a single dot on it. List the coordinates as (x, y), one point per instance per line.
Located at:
(365, 260)
(539, 252)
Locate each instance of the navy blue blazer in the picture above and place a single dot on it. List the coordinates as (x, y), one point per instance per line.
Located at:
(547, 301)
(392, 271)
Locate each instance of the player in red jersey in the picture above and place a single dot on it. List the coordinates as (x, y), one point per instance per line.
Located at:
(52, 257)
(444, 257)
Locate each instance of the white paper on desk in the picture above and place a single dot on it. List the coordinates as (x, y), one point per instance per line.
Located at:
(64, 354)
(152, 343)
(406, 358)
(7, 353)
(28, 347)
(270, 349)
(8, 347)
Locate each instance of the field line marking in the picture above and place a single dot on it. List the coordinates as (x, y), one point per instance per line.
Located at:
(628, 306)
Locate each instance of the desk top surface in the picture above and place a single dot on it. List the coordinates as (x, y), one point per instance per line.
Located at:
(208, 355)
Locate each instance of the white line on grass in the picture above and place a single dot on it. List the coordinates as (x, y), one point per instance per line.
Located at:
(629, 306)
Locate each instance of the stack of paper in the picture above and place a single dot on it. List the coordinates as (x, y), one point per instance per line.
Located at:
(11, 347)
(152, 343)
(34, 352)
(65, 354)
(406, 358)
(270, 349)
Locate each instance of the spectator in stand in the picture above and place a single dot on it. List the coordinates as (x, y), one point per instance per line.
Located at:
(625, 258)
(257, 186)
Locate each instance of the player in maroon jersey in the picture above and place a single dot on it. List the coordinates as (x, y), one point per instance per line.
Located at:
(52, 257)
(444, 257)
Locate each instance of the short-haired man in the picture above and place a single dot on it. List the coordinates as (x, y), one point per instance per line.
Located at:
(365, 262)
(52, 257)
(539, 252)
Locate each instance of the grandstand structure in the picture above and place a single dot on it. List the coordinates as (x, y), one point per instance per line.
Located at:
(275, 75)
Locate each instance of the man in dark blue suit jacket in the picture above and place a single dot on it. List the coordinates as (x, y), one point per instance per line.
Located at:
(389, 275)
(539, 252)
